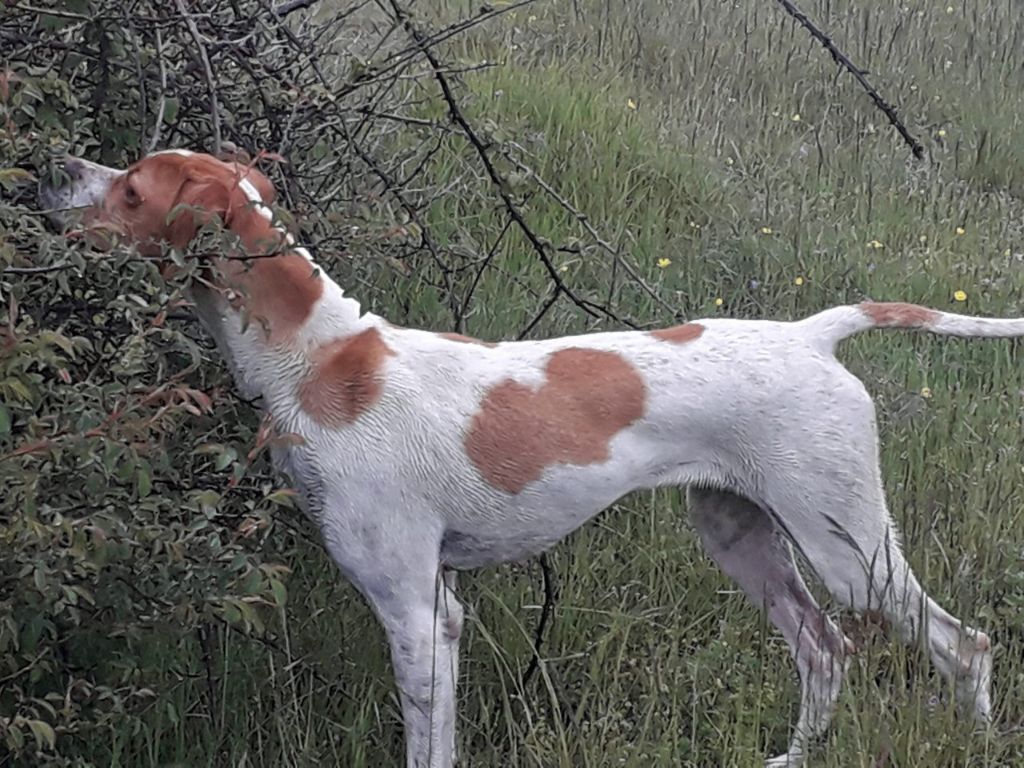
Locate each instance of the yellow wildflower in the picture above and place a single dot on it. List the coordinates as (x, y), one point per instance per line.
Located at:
(923, 238)
(942, 133)
(796, 117)
(960, 295)
(663, 262)
(926, 392)
(719, 301)
(876, 244)
(798, 280)
(766, 230)
(960, 230)
(728, 161)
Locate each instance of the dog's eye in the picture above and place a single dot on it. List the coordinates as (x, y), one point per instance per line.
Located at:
(131, 196)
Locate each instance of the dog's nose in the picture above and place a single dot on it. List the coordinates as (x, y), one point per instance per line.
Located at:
(74, 168)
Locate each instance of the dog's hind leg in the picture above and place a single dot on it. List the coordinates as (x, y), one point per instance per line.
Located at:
(823, 485)
(744, 541)
(857, 554)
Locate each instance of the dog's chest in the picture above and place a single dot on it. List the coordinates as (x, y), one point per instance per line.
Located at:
(305, 473)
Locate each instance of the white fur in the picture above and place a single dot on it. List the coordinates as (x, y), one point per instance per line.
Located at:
(180, 152)
(775, 439)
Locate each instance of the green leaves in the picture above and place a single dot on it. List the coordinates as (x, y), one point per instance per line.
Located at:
(10, 178)
(44, 734)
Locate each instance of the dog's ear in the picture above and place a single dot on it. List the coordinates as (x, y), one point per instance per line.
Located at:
(198, 201)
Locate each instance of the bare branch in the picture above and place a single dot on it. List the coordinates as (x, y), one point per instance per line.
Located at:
(841, 59)
(455, 112)
(284, 9)
(208, 71)
(584, 221)
(550, 598)
(155, 140)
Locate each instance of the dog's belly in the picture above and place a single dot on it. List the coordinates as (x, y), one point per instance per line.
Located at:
(490, 544)
(477, 549)
(529, 523)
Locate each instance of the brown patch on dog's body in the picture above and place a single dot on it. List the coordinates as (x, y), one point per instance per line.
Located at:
(679, 334)
(589, 397)
(466, 339)
(895, 314)
(347, 378)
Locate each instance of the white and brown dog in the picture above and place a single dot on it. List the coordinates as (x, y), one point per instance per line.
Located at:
(424, 452)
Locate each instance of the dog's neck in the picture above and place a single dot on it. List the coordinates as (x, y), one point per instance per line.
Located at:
(263, 368)
(269, 313)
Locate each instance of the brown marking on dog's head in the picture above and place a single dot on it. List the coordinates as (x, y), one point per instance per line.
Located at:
(895, 314)
(465, 339)
(679, 334)
(167, 198)
(347, 378)
(589, 397)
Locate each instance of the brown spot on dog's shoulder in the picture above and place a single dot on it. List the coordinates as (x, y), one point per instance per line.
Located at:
(347, 378)
(896, 314)
(679, 334)
(462, 339)
(589, 396)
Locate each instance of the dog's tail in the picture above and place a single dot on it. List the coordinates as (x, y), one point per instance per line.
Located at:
(834, 325)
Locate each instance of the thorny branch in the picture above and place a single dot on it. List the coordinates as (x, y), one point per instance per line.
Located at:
(501, 187)
(841, 59)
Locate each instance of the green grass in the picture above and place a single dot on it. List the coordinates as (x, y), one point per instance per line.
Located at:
(653, 659)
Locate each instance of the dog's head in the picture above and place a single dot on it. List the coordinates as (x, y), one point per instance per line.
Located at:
(163, 199)
(166, 198)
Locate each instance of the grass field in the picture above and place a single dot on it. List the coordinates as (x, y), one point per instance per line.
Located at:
(721, 151)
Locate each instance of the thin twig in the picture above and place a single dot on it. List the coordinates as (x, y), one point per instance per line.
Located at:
(547, 305)
(414, 217)
(840, 58)
(37, 270)
(208, 72)
(550, 596)
(284, 9)
(51, 12)
(480, 273)
(163, 93)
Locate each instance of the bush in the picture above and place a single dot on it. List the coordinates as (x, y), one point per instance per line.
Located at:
(138, 513)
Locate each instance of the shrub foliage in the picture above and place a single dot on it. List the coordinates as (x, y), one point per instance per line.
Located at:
(137, 510)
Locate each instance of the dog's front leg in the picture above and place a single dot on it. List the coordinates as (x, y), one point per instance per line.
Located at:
(424, 639)
(398, 570)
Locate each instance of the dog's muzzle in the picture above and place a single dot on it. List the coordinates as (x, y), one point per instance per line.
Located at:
(86, 184)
